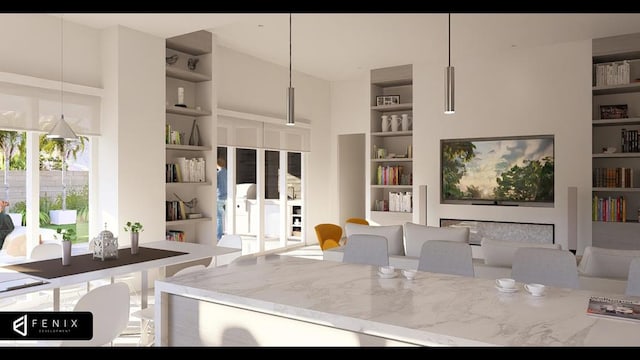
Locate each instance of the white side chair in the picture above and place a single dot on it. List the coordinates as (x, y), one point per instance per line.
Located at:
(146, 315)
(231, 241)
(109, 305)
(446, 257)
(366, 249)
(550, 267)
(633, 281)
(46, 251)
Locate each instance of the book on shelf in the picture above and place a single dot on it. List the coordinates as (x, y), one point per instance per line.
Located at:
(194, 215)
(614, 308)
(175, 235)
(610, 209)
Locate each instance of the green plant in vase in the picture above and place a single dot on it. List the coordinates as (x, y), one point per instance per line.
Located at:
(135, 228)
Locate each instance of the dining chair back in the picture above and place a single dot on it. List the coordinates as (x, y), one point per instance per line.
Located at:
(109, 305)
(231, 241)
(551, 267)
(356, 220)
(366, 249)
(446, 257)
(46, 251)
(633, 281)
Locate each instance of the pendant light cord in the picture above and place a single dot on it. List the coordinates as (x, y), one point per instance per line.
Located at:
(289, 49)
(449, 39)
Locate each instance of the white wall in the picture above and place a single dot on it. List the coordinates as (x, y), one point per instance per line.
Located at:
(521, 91)
(248, 84)
(31, 46)
(131, 167)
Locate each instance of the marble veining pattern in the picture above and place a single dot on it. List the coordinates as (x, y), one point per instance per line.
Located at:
(431, 309)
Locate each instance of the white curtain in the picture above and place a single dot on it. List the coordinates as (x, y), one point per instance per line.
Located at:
(31, 108)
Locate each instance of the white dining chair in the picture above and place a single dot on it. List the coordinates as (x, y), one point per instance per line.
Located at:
(551, 267)
(446, 257)
(366, 249)
(109, 305)
(46, 251)
(633, 280)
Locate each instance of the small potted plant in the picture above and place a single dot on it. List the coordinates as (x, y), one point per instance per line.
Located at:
(135, 228)
(67, 236)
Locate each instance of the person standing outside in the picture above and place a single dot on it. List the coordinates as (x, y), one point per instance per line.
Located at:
(222, 195)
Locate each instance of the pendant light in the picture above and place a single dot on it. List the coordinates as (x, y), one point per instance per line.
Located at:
(291, 121)
(62, 130)
(449, 86)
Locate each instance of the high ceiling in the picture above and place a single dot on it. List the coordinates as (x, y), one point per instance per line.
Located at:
(343, 46)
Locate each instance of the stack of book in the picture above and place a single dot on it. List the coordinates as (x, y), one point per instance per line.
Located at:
(175, 235)
(613, 73)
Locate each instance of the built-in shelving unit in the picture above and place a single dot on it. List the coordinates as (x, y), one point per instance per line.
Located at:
(616, 166)
(390, 176)
(181, 139)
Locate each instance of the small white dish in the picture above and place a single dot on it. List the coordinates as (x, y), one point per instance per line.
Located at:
(387, 276)
(409, 274)
(506, 290)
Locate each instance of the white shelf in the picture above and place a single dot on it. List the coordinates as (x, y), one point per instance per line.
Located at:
(391, 212)
(392, 160)
(392, 133)
(187, 147)
(615, 122)
(187, 221)
(394, 107)
(612, 189)
(186, 111)
(617, 155)
(185, 183)
(616, 89)
(186, 75)
(392, 186)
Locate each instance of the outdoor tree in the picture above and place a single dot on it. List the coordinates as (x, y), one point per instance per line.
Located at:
(54, 155)
(12, 144)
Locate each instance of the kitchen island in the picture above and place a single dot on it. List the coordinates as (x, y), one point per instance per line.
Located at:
(288, 301)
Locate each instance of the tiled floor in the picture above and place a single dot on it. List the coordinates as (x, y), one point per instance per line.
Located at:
(43, 300)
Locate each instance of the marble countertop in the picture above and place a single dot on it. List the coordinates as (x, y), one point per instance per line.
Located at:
(432, 309)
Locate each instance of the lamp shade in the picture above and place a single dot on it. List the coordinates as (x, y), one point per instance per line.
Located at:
(62, 130)
(449, 90)
(290, 106)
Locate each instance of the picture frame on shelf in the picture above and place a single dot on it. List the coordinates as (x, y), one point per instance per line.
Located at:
(619, 111)
(387, 100)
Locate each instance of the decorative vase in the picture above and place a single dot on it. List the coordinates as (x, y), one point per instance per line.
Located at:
(66, 253)
(134, 243)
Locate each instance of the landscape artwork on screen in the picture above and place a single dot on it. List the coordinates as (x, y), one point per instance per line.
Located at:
(498, 171)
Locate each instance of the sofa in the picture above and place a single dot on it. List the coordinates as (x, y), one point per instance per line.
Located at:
(599, 269)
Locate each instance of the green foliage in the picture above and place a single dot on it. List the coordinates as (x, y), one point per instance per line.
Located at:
(68, 234)
(135, 227)
(454, 158)
(55, 152)
(76, 200)
(533, 181)
(13, 145)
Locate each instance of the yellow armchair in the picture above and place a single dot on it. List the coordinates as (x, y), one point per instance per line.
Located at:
(329, 235)
(358, 221)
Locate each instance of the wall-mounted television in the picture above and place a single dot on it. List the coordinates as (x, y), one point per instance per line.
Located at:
(516, 171)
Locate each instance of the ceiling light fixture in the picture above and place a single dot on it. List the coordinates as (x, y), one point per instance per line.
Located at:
(290, 91)
(449, 86)
(62, 130)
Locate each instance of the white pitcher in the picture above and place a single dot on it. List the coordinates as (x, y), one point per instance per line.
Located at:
(385, 123)
(406, 122)
(395, 122)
